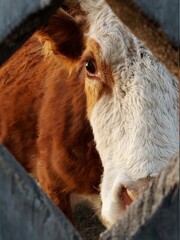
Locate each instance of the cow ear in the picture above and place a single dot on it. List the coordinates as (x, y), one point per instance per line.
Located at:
(64, 34)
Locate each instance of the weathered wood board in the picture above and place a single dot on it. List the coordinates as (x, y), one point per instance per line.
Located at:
(25, 212)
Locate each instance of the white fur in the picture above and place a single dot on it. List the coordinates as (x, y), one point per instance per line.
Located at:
(135, 128)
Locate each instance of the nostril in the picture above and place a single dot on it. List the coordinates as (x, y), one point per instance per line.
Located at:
(128, 193)
(124, 198)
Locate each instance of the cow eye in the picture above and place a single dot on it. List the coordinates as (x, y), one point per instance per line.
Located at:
(90, 67)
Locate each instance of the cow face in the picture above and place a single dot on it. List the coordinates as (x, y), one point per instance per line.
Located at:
(132, 102)
(132, 107)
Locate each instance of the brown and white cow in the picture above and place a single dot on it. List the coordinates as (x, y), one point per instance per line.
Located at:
(83, 83)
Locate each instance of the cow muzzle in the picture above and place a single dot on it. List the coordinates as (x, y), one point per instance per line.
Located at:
(120, 198)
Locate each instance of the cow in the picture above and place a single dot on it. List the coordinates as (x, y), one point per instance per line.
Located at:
(88, 110)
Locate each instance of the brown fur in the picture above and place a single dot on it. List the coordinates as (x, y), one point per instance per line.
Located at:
(43, 112)
(102, 83)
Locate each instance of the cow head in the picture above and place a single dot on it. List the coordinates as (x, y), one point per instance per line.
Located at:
(132, 105)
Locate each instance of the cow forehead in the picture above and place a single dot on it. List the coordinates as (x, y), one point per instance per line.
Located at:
(110, 33)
